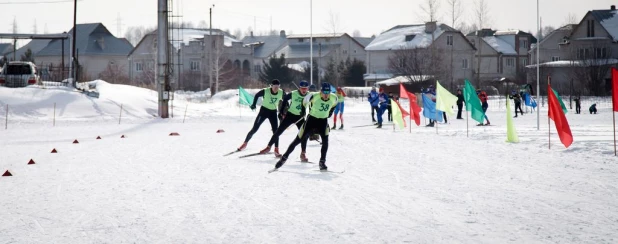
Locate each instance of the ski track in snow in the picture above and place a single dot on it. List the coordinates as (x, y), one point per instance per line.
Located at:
(399, 187)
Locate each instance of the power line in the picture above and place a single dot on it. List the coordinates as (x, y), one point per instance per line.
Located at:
(40, 2)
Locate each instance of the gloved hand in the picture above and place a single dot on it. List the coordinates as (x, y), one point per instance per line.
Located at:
(281, 116)
(330, 113)
(252, 107)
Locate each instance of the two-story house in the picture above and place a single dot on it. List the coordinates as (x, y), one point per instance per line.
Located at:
(262, 48)
(5, 49)
(96, 48)
(501, 54)
(578, 57)
(453, 52)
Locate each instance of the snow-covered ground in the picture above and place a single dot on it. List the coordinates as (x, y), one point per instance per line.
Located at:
(423, 186)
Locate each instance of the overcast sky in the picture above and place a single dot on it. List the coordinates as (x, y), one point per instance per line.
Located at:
(369, 17)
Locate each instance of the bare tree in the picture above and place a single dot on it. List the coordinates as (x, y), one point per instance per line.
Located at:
(333, 25)
(417, 64)
(356, 33)
(466, 28)
(202, 25)
(547, 30)
(249, 31)
(590, 66)
(222, 68)
(430, 10)
(135, 34)
(115, 74)
(571, 18)
(455, 11)
(238, 33)
(482, 17)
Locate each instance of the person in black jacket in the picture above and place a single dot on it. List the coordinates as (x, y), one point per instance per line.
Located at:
(578, 105)
(460, 103)
(517, 99)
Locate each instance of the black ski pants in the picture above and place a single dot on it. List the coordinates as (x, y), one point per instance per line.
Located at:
(264, 114)
(287, 121)
(518, 106)
(311, 126)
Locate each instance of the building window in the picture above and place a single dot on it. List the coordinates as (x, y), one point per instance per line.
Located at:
(354, 51)
(601, 52)
(257, 68)
(402, 63)
(555, 58)
(523, 44)
(301, 39)
(139, 66)
(510, 62)
(464, 63)
(449, 40)
(409, 37)
(590, 28)
(345, 51)
(524, 62)
(195, 65)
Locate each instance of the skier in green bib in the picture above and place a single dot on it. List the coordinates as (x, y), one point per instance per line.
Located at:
(321, 106)
(291, 113)
(272, 96)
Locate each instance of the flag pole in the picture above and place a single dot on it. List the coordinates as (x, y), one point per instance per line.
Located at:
(467, 123)
(548, 107)
(614, 115)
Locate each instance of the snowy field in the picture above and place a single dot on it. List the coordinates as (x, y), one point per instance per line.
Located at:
(423, 186)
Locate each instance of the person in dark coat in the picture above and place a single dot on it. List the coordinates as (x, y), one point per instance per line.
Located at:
(593, 109)
(460, 103)
(578, 105)
(517, 99)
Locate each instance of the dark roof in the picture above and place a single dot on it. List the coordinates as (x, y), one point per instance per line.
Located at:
(269, 44)
(92, 39)
(364, 40)
(603, 14)
(35, 45)
(490, 32)
(4, 46)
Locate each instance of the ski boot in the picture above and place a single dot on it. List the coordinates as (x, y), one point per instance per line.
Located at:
(323, 166)
(334, 127)
(341, 127)
(280, 163)
(265, 150)
(242, 147)
(303, 157)
(277, 154)
(379, 125)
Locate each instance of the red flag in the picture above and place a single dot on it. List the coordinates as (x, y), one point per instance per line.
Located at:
(557, 115)
(415, 110)
(402, 91)
(615, 88)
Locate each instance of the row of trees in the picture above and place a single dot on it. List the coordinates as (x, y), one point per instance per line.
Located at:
(343, 73)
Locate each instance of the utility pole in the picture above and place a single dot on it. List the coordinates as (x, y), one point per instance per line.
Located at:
(311, 40)
(162, 61)
(210, 55)
(74, 63)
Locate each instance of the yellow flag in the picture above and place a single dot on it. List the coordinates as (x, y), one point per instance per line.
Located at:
(511, 133)
(397, 117)
(445, 100)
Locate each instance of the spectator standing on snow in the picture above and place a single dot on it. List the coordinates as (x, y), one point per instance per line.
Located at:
(517, 99)
(483, 97)
(460, 103)
(372, 98)
(578, 105)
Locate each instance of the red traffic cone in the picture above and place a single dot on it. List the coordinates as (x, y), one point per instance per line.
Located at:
(75, 142)
(174, 134)
(54, 151)
(220, 131)
(31, 161)
(98, 138)
(7, 173)
(122, 136)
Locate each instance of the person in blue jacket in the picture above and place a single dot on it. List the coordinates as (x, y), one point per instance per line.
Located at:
(372, 98)
(383, 103)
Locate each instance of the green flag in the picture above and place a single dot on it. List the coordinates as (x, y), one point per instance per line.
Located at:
(560, 100)
(473, 103)
(511, 133)
(397, 115)
(244, 96)
(445, 100)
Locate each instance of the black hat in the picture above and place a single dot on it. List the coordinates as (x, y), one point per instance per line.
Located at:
(275, 82)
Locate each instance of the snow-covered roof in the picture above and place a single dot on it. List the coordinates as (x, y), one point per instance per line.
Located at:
(188, 35)
(323, 35)
(609, 20)
(500, 45)
(395, 38)
(300, 67)
(571, 63)
(403, 79)
(380, 76)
